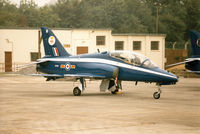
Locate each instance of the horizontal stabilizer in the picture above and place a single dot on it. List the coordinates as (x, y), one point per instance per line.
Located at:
(30, 64)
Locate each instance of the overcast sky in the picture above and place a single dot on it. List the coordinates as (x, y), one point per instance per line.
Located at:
(38, 2)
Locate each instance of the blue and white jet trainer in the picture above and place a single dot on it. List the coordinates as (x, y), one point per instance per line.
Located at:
(193, 63)
(110, 67)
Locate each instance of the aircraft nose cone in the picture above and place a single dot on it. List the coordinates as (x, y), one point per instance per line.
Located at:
(166, 78)
(174, 78)
(171, 78)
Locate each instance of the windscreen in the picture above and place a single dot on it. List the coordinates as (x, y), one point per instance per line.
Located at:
(133, 58)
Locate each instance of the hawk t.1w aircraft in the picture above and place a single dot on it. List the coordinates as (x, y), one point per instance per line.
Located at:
(110, 67)
(193, 63)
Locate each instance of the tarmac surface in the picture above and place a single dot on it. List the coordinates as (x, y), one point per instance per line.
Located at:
(30, 105)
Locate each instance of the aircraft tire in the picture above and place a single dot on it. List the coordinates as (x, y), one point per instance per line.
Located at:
(115, 91)
(76, 91)
(156, 95)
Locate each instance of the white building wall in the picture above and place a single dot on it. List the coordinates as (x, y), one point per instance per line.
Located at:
(22, 41)
(80, 38)
(65, 37)
(107, 46)
(157, 56)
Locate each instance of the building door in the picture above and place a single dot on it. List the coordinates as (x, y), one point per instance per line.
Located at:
(82, 50)
(8, 61)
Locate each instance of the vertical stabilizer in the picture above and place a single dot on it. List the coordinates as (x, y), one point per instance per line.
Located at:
(52, 46)
(195, 41)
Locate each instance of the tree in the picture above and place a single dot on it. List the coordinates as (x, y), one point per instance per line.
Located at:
(8, 14)
(48, 18)
(192, 16)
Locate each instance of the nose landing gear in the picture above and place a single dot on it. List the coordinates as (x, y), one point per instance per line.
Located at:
(156, 95)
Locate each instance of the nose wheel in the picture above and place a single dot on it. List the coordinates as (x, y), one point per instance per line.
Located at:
(156, 95)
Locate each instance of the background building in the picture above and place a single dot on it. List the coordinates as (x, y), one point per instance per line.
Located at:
(21, 46)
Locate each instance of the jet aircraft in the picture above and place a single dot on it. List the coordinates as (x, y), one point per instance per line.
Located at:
(110, 67)
(193, 63)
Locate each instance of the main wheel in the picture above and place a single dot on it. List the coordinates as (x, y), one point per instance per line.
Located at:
(76, 91)
(156, 95)
(115, 91)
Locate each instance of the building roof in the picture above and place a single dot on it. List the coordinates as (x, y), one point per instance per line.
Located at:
(137, 34)
(37, 28)
(92, 29)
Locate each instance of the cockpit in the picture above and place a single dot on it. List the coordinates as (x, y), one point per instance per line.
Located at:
(133, 58)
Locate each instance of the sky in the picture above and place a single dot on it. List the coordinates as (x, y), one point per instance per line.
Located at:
(40, 3)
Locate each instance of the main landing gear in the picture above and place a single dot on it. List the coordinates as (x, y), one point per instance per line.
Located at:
(79, 89)
(117, 85)
(115, 91)
(156, 95)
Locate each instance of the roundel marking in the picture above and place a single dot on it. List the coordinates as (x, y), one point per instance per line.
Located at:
(67, 66)
(51, 40)
(198, 42)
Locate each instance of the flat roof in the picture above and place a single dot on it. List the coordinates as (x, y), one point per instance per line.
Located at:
(38, 28)
(137, 34)
(97, 29)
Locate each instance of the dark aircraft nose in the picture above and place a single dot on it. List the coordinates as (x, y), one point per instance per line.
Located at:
(173, 79)
(167, 78)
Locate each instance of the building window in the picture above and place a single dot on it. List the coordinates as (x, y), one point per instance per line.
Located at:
(119, 45)
(100, 40)
(34, 56)
(136, 45)
(154, 45)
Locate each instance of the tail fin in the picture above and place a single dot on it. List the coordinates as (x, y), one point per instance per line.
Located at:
(195, 41)
(52, 45)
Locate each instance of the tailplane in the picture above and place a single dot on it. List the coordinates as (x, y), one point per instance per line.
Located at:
(195, 41)
(52, 45)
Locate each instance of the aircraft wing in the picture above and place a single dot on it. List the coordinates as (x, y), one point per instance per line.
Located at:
(70, 75)
(198, 72)
(179, 63)
(183, 62)
(37, 62)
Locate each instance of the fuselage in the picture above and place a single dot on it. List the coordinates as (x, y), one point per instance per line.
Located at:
(102, 64)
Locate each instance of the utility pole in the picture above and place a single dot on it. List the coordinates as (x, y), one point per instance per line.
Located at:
(39, 44)
(157, 19)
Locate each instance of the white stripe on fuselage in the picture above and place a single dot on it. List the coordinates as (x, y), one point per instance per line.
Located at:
(105, 61)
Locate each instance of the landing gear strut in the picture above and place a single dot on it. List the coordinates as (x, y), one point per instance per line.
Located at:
(156, 95)
(118, 86)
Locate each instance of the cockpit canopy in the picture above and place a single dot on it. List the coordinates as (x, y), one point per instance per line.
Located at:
(133, 58)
